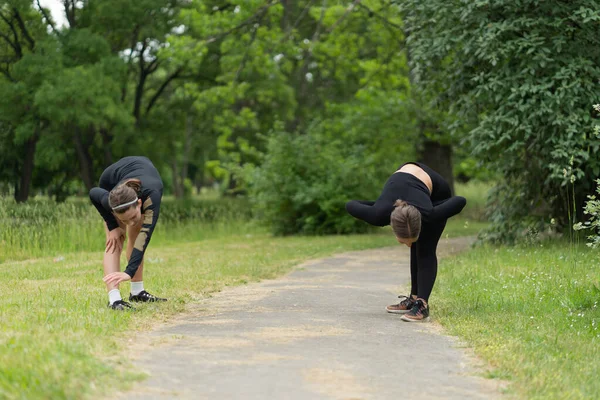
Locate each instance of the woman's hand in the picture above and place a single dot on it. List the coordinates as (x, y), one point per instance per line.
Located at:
(114, 241)
(114, 278)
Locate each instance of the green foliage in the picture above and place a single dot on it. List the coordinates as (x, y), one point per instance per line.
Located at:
(522, 73)
(194, 85)
(304, 181)
(592, 208)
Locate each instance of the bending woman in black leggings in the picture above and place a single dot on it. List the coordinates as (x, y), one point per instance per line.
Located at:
(417, 202)
(128, 198)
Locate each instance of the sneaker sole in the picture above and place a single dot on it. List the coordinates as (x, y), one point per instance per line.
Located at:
(415, 320)
(397, 311)
(151, 301)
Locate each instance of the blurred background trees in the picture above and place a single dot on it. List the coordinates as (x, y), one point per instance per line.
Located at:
(302, 105)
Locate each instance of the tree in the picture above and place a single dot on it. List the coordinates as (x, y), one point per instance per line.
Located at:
(522, 75)
(26, 57)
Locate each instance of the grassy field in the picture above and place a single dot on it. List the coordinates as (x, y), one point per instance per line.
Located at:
(58, 338)
(60, 341)
(532, 312)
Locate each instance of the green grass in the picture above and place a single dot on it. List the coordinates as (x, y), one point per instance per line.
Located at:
(58, 338)
(476, 194)
(41, 227)
(533, 312)
(60, 341)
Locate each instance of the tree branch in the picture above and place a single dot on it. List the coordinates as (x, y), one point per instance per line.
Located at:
(162, 87)
(305, 65)
(141, 60)
(13, 45)
(350, 8)
(24, 29)
(70, 11)
(48, 20)
(246, 22)
(389, 24)
(153, 66)
(134, 39)
(302, 14)
(139, 89)
(201, 77)
(7, 74)
(381, 17)
(247, 52)
(19, 50)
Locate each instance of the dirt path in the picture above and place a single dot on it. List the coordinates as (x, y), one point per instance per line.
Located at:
(320, 332)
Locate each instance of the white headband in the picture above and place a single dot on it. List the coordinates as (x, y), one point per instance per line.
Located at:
(125, 205)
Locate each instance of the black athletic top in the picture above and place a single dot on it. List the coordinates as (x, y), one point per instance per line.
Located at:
(407, 187)
(151, 194)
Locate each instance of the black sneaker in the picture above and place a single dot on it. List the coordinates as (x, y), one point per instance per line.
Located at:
(418, 313)
(403, 307)
(121, 305)
(145, 297)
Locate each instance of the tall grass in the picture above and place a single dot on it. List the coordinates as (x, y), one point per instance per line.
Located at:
(41, 227)
(476, 193)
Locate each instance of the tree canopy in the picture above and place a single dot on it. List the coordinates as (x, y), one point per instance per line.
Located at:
(211, 91)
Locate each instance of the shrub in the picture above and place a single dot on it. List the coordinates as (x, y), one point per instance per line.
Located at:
(592, 208)
(305, 180)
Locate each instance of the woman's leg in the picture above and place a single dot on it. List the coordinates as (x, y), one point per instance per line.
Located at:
(111, 261)
(406, 305)
(414, 270)
(427, 266)
(132, 234)
(428, 262)
(138, 293)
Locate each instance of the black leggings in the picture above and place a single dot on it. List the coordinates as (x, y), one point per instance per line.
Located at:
(423, 257)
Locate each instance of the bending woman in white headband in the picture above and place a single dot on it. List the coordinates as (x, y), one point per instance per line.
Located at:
(128, 198)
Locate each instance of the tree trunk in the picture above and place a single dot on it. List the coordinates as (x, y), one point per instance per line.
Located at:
(106, 140)
(438, 157)
(433, 154)
(22, 192)
(85, 162)
(286, 20)
(177, 184)
(189, 126)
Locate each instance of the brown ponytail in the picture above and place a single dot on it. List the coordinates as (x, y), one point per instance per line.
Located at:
(405, 220)
(124, 193)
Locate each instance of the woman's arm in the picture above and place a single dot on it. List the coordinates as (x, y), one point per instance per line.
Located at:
(368, 212)
(449, 207)
(99, 198)
(151, 210)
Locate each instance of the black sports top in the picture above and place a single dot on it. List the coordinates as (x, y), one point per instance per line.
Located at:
(151, 194)
(407, 187)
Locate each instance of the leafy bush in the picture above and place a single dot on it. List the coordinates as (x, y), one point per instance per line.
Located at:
(592, 208)
(303, 184)
(519, 77)
(305, 181)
